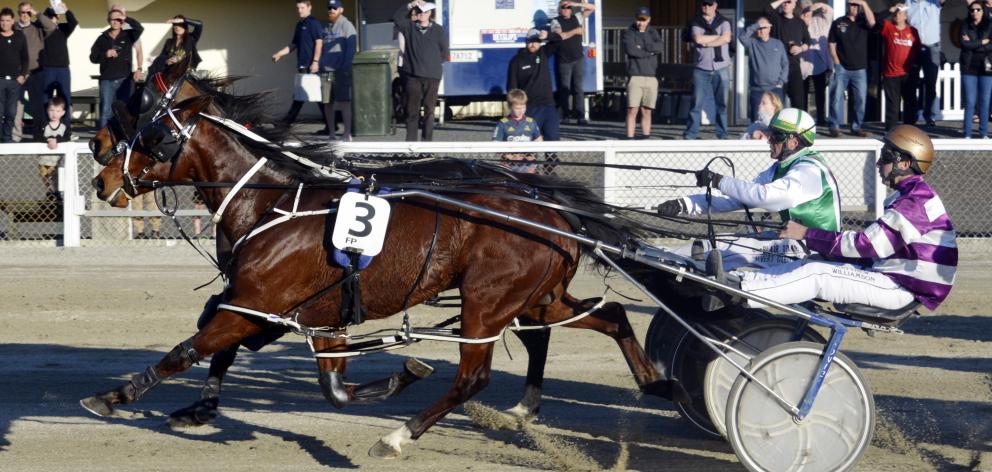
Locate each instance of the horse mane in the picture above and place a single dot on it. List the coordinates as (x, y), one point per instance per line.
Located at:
(616, 227)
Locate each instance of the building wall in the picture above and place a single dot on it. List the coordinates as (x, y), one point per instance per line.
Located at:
(239, 38)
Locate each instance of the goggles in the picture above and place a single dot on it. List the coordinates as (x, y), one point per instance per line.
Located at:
(778, 137)
(890, 155)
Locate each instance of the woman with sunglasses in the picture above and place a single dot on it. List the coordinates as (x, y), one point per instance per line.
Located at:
(112, 51)
(798, 185)
(185, 34)
(908, 255)
(976, 70)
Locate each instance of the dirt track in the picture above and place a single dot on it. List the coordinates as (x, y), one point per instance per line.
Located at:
(73, 322)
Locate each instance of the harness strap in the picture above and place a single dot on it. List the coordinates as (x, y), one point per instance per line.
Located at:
(237, 187)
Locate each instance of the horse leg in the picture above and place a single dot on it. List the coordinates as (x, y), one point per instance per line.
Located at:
(340, 394)
(204, 410)
(611, 320)
(225, 330)
(536, 342)
(473, 375)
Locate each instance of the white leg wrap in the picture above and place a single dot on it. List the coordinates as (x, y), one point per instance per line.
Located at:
(398, 438)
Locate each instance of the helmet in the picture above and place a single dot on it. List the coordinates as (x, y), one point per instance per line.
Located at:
(912, 142)
(795, 121)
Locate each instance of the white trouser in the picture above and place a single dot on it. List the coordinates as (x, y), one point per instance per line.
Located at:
(751, 252)
(799, 281)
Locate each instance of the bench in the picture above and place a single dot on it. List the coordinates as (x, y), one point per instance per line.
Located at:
(29, 211)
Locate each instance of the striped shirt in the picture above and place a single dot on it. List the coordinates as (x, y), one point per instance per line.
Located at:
(913, 243)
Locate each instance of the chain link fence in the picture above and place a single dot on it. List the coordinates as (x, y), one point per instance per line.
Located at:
(30, 203)
(33, 214)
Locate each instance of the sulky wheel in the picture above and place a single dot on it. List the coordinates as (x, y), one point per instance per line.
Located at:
(754, 339)
(767, 437)
(689, 358)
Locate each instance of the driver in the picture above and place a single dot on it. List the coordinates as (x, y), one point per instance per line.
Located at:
(798, 185)
(908, 254)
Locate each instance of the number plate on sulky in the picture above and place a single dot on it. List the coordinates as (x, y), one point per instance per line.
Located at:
(361, 223)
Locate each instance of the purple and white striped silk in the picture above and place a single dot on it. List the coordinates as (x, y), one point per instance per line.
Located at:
(913, 243)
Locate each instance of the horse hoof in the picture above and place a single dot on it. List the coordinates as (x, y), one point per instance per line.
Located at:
(418, 368)
(98, 406)
(384, 451)
(198, 414)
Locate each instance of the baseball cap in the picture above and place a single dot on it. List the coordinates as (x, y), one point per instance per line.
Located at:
(426, 7)
(707, 2)
(641, 12)
(334, 4)
(533, 35)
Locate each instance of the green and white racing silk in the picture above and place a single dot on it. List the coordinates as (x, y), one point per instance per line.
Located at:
(800, 188)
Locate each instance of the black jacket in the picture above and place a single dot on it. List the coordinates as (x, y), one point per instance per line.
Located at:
(531, 72)
(194, 28)
(642, 51)
(425, 51)
(118, 67)
(973, 52)
(56, 52)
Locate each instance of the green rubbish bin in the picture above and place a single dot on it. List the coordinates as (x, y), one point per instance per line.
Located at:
(372, 93)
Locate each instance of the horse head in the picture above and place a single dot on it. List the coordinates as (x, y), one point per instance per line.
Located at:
(126, 118)
(153, 154)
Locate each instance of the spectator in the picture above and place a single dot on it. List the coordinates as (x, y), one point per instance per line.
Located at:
(518, 127)
(924, 15)
(768, 64)
(35, 28)
(793, 32)
(976, 78)
(426, 49)
(709, 33)
(112, 50)
(186, 33)
(530, 71)
(338, 52)
(642, 44)
(13, 71)
(815, 63)
(54, 61)
(571, 59)
(849, 52)
(769, 106)
(307, 43)
(52, 134)
(901, 43)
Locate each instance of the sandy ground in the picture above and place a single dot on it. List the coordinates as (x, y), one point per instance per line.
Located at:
(73, 322)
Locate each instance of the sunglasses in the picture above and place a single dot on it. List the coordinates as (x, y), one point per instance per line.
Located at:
(116, 20)
(973, 10)
(778, 137)
(764, 27)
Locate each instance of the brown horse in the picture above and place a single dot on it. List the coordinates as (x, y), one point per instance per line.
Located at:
(503, 270)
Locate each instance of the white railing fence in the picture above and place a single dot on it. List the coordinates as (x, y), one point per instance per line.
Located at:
(960, 174)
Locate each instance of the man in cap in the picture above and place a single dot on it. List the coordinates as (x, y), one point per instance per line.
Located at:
(337, 54)
(710, 33)
(767, 61)
(530, 71)
(641, 44)
(426, 49)
(307, 43)
(570, 56)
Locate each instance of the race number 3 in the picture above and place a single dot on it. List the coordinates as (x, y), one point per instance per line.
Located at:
(361, 223)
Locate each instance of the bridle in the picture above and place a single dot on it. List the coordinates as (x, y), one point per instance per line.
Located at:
(162, 143)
